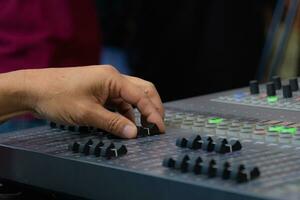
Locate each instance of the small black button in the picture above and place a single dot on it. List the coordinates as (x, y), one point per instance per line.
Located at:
(208, 144)
(287, 91)
(294, 84)
(106, 150)
(209, 168)
(96, 148)
(194, 142)
(270, 89)
(52, 124)
(62, 127)
(235, 145)
(169, 162)
(254, 87)
(83, 129)
(254, 173)
(181, 163)
(142, 132)
(75, 147)
(225, 170)
(72, 128)
(194, 164)
(277, 82)
(221, 146)
(119, 150)
(181, 142)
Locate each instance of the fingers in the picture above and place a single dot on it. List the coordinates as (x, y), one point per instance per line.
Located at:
(151, 92)
(134, 95)
(123, 108)
(111, 122)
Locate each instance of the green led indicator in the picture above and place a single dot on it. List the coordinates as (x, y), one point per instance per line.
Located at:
(283, 129)
(215, 120)
(289, 130)
(276, 128)
(272, 99)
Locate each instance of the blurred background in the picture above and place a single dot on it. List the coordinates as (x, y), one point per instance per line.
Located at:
(186, 48)
(189, 48)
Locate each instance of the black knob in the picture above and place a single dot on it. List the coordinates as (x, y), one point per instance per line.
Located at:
(235, 145)
(294, 84)
(287, 91)
(277, 82)
(194, 164)
(52, 124)
(254, 88)
(169, 162)
(181, 163)
(181, 142)
(270, 89)
(194, 142)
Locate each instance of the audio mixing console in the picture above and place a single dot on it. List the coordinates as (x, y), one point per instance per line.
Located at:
(239, 144)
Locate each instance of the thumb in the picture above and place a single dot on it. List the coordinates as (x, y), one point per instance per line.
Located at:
(111, 122)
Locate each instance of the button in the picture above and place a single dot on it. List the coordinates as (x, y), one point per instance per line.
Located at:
(194, 142)
(209, 168)
(85, 148)
(169, 162)
(148, 130)
(153, 129)
(270, 87)
(254, 88)
(194, 165)
(75, 147)
(222, 146)
(62, 127)
(235, 145)
(254, 173)
(106, 150)
(72, 128)
(181, 142)
(277, 82)
(52, 124)
(287, 91)
(119, 150)
(294, 84)
(239, 173)
(96, 148)
(225, 171)
(208, 144)
(83, 129)
(181, 163)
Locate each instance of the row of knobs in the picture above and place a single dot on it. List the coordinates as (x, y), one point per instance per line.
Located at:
(220, 145)
(98, 148)
(211, 168)
(275, 84)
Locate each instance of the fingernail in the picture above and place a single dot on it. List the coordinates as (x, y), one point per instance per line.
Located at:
(128, 131)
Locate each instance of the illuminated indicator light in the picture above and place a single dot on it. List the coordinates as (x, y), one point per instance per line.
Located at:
(272, 99)
(215, 120)
(283, 129)
(289, 130)
(276, 128)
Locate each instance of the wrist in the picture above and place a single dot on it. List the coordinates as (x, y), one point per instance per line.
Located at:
(15, 91)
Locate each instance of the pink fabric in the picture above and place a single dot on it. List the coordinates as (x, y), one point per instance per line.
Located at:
(43, 33)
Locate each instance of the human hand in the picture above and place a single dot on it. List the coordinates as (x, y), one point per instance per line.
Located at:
(79, 96)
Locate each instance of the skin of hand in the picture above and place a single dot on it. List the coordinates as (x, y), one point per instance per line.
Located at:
(79, 96)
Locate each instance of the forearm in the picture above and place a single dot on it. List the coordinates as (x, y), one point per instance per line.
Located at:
(13, 95)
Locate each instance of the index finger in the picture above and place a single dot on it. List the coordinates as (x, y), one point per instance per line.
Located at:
(134, 95)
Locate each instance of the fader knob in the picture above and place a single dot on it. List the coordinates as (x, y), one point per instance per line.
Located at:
(287, 91)
(277, 82)
(270, 89)
(254, 88)
(294, 84)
